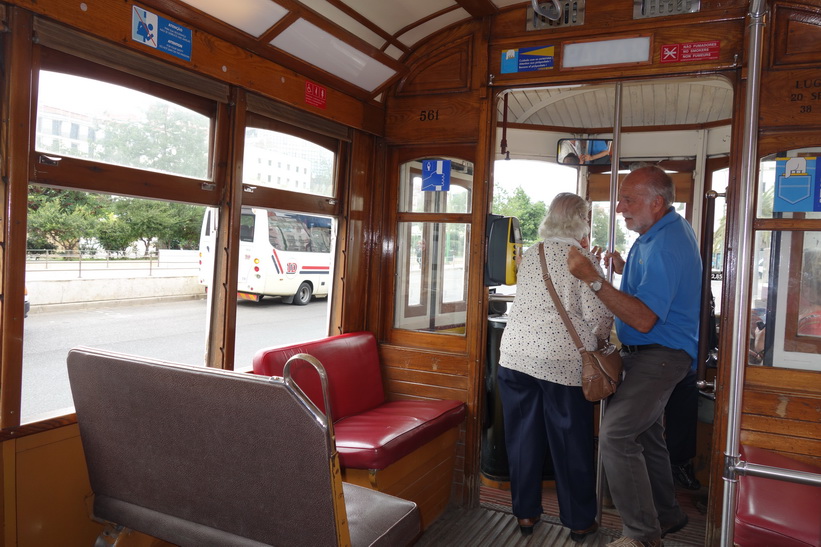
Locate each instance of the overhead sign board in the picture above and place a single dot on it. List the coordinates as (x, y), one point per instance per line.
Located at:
(160, 33)
(527, 59)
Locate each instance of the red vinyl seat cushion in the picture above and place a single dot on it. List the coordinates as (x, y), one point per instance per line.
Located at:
(378, 437)
(371, 432)
(774, 513)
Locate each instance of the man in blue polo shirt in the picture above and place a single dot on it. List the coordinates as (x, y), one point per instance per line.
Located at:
(657, 315)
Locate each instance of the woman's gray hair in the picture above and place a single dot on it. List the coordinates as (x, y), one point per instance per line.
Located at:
(567, 216)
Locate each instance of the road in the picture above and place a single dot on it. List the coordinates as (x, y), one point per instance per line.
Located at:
(172, 331)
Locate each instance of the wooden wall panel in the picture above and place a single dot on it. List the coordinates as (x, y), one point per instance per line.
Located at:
(602, 17)
(781, 411)
(799, 31)
(423, 360)
(722, 21)
(442, 118)
(356, 254)
(446, 71)
(791, 98)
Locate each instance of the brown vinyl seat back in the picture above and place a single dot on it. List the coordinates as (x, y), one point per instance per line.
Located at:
(198, 456)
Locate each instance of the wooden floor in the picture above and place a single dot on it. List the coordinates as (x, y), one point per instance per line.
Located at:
(492, 524)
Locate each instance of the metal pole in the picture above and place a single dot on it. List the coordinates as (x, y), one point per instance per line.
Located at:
(747, 189)
(706, 293)
(611, 245)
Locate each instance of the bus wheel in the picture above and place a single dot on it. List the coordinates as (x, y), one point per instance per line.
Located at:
(303, 294)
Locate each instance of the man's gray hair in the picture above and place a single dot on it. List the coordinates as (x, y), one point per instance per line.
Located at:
(567, 216)
(657, 180)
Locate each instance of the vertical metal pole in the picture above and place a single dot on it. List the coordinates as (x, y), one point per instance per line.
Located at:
(704, 336)
(611, 245)
(747, 189)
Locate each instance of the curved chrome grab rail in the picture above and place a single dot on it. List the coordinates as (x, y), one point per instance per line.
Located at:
(325, 419)
(554, 13)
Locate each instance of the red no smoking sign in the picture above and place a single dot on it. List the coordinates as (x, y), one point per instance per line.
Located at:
(690, 51)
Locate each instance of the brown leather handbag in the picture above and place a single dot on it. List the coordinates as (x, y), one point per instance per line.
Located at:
(601, 368)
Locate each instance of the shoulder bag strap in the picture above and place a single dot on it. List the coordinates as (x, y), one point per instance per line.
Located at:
(552, 290)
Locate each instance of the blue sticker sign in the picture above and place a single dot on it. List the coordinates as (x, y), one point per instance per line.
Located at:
(435, 175)
(160, 33)
(527, 59)
(797, 185)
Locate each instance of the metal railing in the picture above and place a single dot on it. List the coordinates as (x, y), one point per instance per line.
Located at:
(45, 264)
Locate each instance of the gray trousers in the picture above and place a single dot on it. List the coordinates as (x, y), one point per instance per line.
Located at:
(632, 445)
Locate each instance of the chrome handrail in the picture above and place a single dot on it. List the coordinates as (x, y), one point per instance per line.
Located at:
(325, 418)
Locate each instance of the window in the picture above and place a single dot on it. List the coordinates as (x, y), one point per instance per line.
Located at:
(433, 242)
(114, 124)
(785, 319)
(265, 148)
(110, 272)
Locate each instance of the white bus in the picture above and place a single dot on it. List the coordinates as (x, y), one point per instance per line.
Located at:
(280, 254)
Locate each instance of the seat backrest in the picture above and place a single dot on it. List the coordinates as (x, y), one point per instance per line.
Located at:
(198, 456)
(351, 362)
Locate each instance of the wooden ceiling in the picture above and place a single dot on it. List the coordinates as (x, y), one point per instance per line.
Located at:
(356, 46)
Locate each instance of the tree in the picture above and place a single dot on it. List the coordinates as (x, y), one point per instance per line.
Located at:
(146, 219)
(114, 234)
(62, 217)
(165, 225)
(601, 230)
(530, 214)
(169, 139)
(183, 232)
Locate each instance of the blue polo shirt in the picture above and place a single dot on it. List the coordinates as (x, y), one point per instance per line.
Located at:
(663, 270)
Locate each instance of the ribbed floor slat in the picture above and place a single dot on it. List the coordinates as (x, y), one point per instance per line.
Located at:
(483, 527)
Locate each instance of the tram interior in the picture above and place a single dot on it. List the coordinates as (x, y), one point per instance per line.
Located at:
(384, 94)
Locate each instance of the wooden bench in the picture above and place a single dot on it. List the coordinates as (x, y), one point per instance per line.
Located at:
(198, 456)
(406, 448)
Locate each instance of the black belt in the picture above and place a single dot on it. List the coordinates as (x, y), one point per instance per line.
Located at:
(632, 349)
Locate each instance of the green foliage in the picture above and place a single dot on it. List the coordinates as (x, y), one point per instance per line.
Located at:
(518, 205)
(62, 218)
(169, 140)
(601, 230)
(114, 234)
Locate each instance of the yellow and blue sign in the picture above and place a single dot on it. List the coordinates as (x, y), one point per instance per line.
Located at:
(797, 185)
(527, 59)
(159, 33)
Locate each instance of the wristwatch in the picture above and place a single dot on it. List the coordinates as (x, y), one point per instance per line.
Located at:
(596, 285)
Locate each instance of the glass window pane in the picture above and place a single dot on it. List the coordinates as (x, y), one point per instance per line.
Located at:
(284, 258)
(89, 119)
(719, 185)
(785, 319)
(432, 281)
(279, 160)
(420, 195)
(109, 272)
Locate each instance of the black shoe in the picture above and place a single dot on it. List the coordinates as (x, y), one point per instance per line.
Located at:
(526, 525)
(676, 527)
(579, 535)
(685, 476)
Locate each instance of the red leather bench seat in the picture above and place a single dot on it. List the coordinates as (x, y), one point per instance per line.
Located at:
(378, 437)
(774, 513)
(371, 433)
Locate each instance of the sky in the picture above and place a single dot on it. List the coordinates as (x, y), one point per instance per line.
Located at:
(541, 180)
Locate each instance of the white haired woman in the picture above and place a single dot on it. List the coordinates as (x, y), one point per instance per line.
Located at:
(540, 376)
